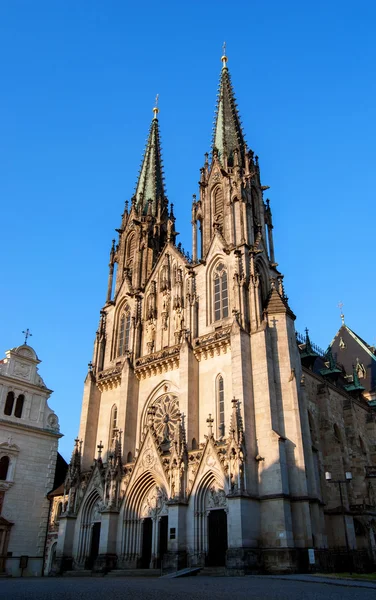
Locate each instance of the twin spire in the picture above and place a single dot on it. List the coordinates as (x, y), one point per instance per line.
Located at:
(228, 138)
(228, 134)
(150, 185)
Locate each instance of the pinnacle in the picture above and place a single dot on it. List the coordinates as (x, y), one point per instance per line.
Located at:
(150, 184)
(228, 133)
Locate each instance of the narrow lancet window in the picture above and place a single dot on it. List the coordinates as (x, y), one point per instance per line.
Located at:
(218, 206)
(4, 465)
(9, 402)
(220, 293)
(113, 426)
(19, 406)
(220, 396)
(124, 333)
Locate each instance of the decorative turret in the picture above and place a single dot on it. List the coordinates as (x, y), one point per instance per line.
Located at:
(308, 355)
(331, 369)
(356, 388)
(150, 185)
(228, 140)
(147, 226)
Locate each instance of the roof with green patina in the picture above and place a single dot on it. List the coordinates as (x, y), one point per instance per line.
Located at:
(150, 184)
(228, 133)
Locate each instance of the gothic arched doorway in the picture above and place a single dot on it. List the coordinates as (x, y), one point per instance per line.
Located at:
(88, 546)
(147, 539)
(217, 538)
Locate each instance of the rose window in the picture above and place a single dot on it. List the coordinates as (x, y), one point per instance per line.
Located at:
(165, 417)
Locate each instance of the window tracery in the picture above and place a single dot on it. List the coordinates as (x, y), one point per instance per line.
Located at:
(124, 332)
(220, 400)
(220, 292)
(165, 416)
(131, 245)
(113, 426)
(218, 206)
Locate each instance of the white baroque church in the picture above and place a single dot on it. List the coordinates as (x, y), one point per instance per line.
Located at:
(195, 446)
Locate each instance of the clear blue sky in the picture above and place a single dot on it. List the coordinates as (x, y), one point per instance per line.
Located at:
(78, 81)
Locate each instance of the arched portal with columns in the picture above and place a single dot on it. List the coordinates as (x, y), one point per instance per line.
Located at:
(210, 497)
(144, 512)
(88, 543)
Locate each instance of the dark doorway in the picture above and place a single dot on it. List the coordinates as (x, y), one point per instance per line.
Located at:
(147, 534)
(217, 534)
(94, 546)
(163, 538)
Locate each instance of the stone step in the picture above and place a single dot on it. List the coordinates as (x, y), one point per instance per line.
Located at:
(188, 572)
(213, 572)
(134, 573)
(83, 573)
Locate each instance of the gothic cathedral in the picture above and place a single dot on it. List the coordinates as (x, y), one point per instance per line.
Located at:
(194, 445)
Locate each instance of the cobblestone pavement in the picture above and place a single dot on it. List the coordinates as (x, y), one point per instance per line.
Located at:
(192, 588)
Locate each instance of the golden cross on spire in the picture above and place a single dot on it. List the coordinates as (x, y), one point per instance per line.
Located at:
(340, 306)
(156, 109)
(224, 57)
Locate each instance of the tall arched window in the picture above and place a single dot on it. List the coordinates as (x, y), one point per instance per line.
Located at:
(220, 400)
(59, 510)
(131, 246)
(8, 408)
(124, 333)
(19, 406)
(4, 464)
(311, 427)
(113, 426)
(218, 206)
(220, 293)
(337, 434)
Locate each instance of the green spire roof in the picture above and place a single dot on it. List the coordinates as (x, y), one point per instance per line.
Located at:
(228, 134)
(150, 185)
(330, 364)
(355, 386)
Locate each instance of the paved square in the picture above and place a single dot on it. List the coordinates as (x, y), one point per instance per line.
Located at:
(192, 588)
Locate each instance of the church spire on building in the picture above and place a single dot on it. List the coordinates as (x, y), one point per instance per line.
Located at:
(150, 185)
(228, 133)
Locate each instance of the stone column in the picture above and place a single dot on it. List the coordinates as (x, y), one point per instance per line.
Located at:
(89, 420)
(64, 548)
(107, 557)
(188, 393)
(176, 557)
(243, 555)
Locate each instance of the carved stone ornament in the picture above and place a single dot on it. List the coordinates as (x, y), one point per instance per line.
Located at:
(21, 370)
(53, 421)
(166, 416)
(216, 498)
(154, 503)
(149, 459)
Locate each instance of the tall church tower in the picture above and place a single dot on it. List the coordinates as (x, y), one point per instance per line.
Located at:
(191, 445)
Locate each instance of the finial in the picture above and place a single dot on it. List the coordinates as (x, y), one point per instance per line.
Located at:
(156, 109)
(27, 335)
(224, 57)
(340, 306)
(100, 448)
(210, 422)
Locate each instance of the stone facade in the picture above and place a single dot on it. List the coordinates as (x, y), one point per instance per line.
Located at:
(205, 430)
(29, 434)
